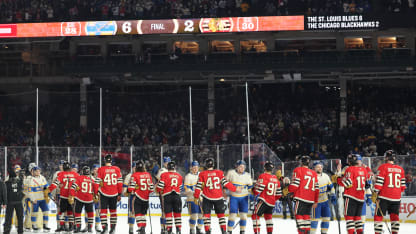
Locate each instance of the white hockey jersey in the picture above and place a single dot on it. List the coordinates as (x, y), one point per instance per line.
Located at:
(240, 180)
(126, 182)
(325, 187)
(160, 172)
(35, 186)
(190, 183)
(57, 190)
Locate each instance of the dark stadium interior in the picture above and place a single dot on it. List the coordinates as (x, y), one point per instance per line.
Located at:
(71, 10)
(300, 83)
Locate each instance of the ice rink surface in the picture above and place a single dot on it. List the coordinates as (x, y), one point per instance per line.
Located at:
(280, 226)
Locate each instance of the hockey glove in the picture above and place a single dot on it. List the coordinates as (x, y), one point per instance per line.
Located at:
(286, 181)
(46, 195)
(46, 192)
(197, 201)
(333, 199)
(368, 199)
(374, 197)
(96, 198)
(71, 200)
(334, 179)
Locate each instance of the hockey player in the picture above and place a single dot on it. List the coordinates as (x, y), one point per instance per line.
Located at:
(110, 187)
(287, 198)
(191, 179)
(56, 192)
(326, 193)
(162, 170)
(169, 187)
(83, 190)
(38, 195)
(390, 183)
(305, 187)
(74, 167)
(27, 205)
(268, 191)
(210, 186)
(126, 193)
(354, 182)
(239, 201)
(141, 186)
(96, 200)
(64, 182)
(367, 188)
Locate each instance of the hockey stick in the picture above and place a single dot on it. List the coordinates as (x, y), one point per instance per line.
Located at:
(296, 220)
(163, 217)
(251, 208)
(238, 223)
(1, 217)
(150, 220)
(381, 212)
(337, 214)
(336, 208)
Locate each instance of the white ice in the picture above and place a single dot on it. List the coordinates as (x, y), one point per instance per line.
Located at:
(280, 226)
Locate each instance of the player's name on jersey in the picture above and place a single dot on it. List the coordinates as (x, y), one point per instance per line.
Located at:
(394, 170)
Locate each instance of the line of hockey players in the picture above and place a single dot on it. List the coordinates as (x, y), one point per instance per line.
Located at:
(99, 190)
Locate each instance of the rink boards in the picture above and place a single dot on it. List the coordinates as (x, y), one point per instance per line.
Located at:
(408, 204)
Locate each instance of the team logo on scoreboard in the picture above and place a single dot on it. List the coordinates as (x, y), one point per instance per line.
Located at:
(212, 25)
(70, 28)
(100, 28)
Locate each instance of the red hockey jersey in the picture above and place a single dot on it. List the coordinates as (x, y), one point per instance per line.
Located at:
(170, 182)
(64, 182)
(354, 181)
(110, 181)
(83, 189)
(211, 183)
(141, 184)
(268, 189)
(305, 185)
(390, 182)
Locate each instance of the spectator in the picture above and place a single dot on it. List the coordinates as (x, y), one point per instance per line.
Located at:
(14, 11)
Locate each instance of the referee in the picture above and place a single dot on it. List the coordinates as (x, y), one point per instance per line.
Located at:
(14, 188)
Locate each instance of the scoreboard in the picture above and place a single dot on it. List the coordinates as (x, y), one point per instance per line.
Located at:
(141, 27)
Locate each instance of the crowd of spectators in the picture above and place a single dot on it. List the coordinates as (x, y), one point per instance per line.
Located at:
(292, 120)
(73, 10)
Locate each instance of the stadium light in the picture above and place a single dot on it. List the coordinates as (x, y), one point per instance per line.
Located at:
(297, 76)
(287, 76)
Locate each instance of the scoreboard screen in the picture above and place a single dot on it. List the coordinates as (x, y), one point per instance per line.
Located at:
(170, 26)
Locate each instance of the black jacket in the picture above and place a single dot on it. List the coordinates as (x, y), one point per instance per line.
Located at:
(3, 198)
(14, 188)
